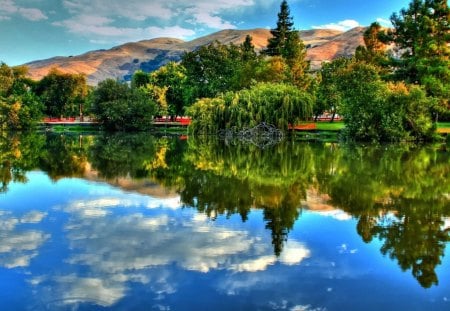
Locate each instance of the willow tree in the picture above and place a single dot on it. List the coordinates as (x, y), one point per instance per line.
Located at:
(278, 104)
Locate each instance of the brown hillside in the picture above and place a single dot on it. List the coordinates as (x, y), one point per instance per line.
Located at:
(122, 61)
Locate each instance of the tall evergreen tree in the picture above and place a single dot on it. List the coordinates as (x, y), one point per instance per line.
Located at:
(248, 49)
(281, 34)
(286, 43)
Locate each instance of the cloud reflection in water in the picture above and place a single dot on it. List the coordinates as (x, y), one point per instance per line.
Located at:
(117, 241)
(18, 245)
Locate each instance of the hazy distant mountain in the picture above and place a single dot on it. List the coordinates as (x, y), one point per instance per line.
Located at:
(122, 61)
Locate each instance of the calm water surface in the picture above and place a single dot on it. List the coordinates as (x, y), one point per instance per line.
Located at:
(135, 222)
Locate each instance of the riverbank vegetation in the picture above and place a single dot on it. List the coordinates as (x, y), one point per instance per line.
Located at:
(395, 88)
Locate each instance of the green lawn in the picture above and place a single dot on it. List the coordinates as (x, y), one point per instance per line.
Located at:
(442, 125)
(337, 126)
(330, 126)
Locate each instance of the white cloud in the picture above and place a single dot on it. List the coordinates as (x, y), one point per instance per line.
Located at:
(294, 253)
(131, 9)
(101, 27)
(102, 292)
(124, 21)
(254, 265)
(19, 246)
(342, 25)
(336, 214)
(32, 14)
(33, 217)
(9, 8)
(384, 22)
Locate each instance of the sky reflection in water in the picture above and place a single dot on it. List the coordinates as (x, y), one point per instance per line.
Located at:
(75, 244)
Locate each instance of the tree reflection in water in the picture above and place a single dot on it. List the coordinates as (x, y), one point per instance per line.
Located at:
(398, 193)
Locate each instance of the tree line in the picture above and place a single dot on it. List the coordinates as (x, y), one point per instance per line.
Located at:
(395, 87)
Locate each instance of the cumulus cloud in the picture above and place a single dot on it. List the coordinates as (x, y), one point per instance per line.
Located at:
(19, 246)
(32, 14)
(133, 20)
(76, 289)
(342, 25)
(9, 8)
(117, 248)
(336, 214)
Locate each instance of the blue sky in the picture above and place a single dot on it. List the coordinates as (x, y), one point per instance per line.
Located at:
(38, 29)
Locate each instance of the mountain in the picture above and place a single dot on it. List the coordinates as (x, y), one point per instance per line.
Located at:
(122, 61)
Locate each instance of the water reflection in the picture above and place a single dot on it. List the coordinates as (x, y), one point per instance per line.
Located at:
(399, 195)
(20, 245)
(109, 251)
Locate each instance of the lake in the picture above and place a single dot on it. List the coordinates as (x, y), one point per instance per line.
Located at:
(137, 222)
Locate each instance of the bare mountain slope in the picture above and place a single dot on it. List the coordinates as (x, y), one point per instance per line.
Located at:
(122, 61)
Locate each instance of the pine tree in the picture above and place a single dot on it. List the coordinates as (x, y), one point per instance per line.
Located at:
(281, 33)
(248, 49)
(286, 43)
(422, 35)
(421, 32)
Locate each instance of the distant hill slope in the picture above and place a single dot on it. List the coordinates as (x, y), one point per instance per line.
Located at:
(122, 61)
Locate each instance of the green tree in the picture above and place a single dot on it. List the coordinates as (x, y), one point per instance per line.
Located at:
(20, 109)
(329, 98)
(62, 94)
(421, 34)
(248, 49)
(140, 79)
(286, 42)
(374, 49)
(172, 76)
(376, 111)
(282, 34)
(276, 104)
(211, 70)
(120, 107)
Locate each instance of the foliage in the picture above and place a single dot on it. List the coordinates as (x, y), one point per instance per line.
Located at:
(374, 110)
(140, 79)
(19, 154)
(398, 194)
(211, 70)
(218, 68)
(374, 49)
(286, 42)
(328, 96)
(120, 107)
(422, 35)
(20, 112)
(172, 77)
(20, 109)
(282, 34)
(276, 104)
(62, 94)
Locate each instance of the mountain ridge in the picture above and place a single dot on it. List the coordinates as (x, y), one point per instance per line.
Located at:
(121, 61)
